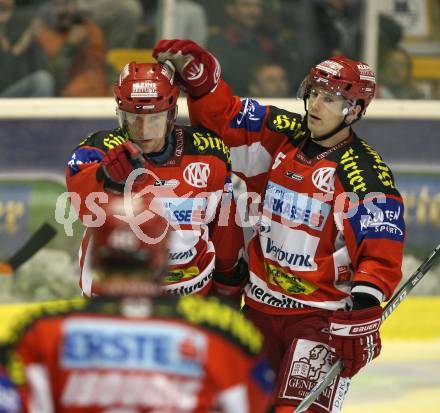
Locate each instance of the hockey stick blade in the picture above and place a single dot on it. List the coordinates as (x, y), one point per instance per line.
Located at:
(397, 298)
(38, 240)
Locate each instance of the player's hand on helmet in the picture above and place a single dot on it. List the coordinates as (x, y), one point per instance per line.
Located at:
(118, 164)
(199, 71)
(355, 337)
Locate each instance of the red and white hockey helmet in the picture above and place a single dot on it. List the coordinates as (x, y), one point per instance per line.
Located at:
(146, 96)
(132, 240)
(351, 79)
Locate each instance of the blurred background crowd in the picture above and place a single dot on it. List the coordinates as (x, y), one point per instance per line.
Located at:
(75, 48)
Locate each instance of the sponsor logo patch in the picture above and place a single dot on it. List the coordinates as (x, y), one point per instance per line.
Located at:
(184, 210)
(83, 156)
(366, 73)
(250, 117)
(144, 90)
(294, 176)
(324, 179)
(182, 274)
(295, 207)
(379, 220)
(285, 123)
(382, 171)
(206, 142)
(196, 174)
(308, 363)
(164, 182)
(147, 391)
(138, 346)
(9, 399)
(297, 261)
(288, 282)
(182, 256)
(354, 175)
(258, 291)
(331, 67)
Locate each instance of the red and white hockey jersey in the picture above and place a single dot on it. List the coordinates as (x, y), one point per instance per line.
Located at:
(174, 355)
(194, 186)
(323, 231)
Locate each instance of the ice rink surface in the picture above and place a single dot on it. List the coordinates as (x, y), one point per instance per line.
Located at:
(404, 379)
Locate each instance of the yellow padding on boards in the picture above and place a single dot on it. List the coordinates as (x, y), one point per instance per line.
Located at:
(416, 318)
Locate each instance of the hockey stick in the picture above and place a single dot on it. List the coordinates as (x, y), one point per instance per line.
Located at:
(37, 241)
(397, 298)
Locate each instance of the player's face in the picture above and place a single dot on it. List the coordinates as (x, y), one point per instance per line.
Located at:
(147, 130)
(325, 111)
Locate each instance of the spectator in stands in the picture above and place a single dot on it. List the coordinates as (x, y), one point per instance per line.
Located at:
(241, 42)
(190, 21)
(76, 49)
(339, 22)
(395, 77)
(269, 80)
(24, 71)
(188, 18)
(116, 20)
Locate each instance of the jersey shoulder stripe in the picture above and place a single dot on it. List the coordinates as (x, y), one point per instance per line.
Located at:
(217, 316)
(104, 140)
(202, 141)
(288, 123)
(362, 170)
(45, 311)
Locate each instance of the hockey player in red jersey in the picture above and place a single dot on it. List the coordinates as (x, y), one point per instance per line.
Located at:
(328, 246)
(133, 350)
(187, 168)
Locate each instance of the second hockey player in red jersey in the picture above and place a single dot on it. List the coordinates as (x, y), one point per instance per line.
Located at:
(187, 168)
(328, 246)
(132, 350)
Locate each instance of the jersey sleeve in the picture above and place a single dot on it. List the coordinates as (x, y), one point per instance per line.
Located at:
(241, 378)
(225, 233)
(372, 222)
(242, 124)
(29, 372)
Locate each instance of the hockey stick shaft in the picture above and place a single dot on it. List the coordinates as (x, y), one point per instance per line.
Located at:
(38, 240)
(397, 298)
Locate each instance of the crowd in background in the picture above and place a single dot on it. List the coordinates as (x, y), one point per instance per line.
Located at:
(61, 47)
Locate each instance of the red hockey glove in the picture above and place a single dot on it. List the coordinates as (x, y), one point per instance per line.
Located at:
(355, 337)
(117, 165)
(199, 71)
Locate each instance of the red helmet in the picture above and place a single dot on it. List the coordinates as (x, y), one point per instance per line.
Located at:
(146, 88)
(351, 79)
(140, 247)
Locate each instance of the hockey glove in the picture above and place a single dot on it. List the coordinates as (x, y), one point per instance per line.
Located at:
(355, 337)
(199, 71)
(117, 165)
